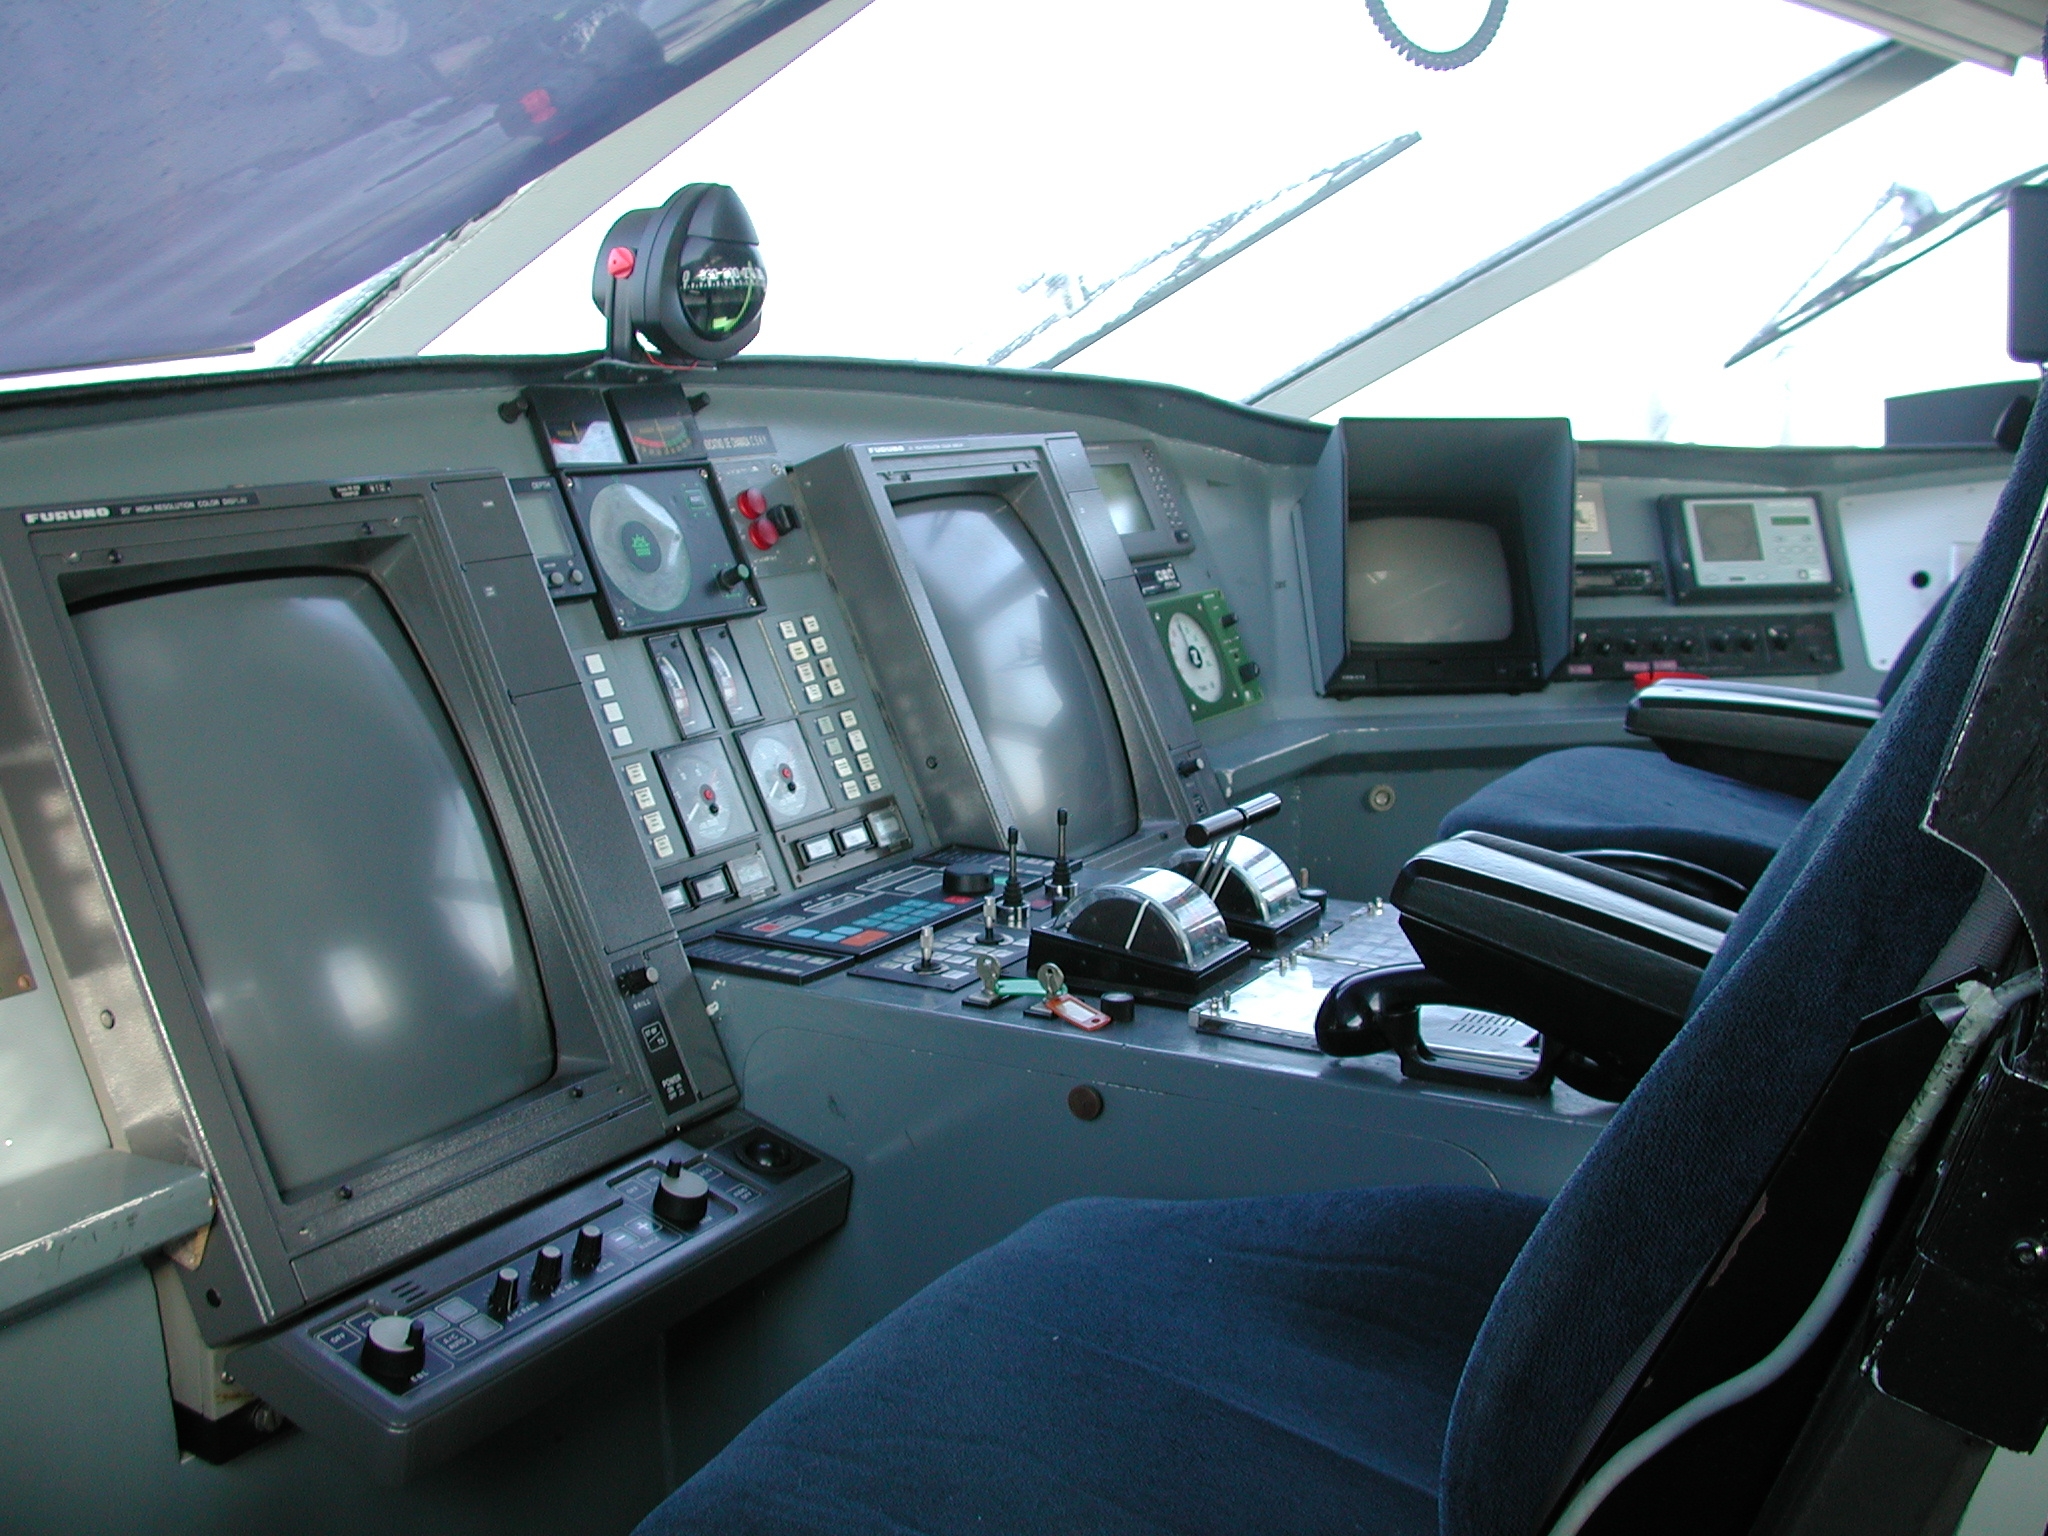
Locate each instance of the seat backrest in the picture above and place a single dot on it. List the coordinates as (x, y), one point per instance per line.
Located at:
(1846, 919)
(1916, 642)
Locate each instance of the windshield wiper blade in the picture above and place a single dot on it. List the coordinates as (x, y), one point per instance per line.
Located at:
(1115, 303)
(1921, 229)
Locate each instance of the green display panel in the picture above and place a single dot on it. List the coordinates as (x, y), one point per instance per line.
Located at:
(1200, 635)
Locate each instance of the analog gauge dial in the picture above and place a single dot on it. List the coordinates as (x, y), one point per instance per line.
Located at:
(1194, 658)
(783, 773)
(707, 796)
(640, 547)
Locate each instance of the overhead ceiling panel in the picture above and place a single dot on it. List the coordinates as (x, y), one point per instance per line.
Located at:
(1995, 32)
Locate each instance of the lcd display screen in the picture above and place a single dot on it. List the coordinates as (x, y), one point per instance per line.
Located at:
(1728, 530)
(1030, 676)
(541, 514)
(360, 948)
(1426, 581)
(1127, 510)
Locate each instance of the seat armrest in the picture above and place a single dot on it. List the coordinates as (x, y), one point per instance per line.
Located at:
(1787, 739)
(1597, 959)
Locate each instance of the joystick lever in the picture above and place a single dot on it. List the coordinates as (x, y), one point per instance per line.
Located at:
(1060, 885)
(1015, 913)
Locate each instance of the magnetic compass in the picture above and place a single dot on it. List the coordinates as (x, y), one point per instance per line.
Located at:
(1194, 658)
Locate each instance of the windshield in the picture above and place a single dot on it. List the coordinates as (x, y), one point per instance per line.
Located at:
(956, 184)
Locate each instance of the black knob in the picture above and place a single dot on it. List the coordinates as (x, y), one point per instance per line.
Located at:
(966, 880)
(1188, 767)
(589, 1249)
(784, 518)
(1746, 640)
(1718, 640)
(770, 1154)
(1229, 620)
(638, 979)
(730, 576)
(1120, 1006)
(547, 1273)
(682, 1197)
(394, 1351)
(1248, 671)
(504, 1295)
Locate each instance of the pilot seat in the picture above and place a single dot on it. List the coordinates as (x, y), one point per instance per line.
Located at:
(1405, 1360)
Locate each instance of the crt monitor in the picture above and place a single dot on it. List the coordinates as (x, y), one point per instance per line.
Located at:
(383, 965)
(1436, 555)
(357, 936)
(1025, 664)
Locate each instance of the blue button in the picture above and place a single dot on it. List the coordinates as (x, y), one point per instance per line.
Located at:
(339, 1337)
(455, 1342)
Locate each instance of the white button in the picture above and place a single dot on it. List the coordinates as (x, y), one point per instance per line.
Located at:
(810, 623)
(834, 747)
(836, 688)
(825, 726)
(806, 673)
(603, 688)
(859, 740)
(621, 737)
(644, 798)
(818, 646)
(875, 783)
(636, 773)
(842, 767)
(829, 667)
(798, 651)
(593, 663)
(867, 763)
(664, 848)
(654, 823)
(848, 718)
(788, 628)
(814, 694)
(613, 714)
(852, 788)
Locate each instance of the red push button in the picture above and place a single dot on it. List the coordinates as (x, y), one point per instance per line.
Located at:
(761, 533)
(752, 504)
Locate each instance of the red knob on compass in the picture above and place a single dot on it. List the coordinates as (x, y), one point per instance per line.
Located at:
(751, 502)
(619, 261)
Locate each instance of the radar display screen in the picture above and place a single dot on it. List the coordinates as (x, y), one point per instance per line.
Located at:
(662, 547)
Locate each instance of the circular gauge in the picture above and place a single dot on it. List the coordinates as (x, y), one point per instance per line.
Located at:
(639, 547)
(701, 784)
(785, 783)
(1194, 658)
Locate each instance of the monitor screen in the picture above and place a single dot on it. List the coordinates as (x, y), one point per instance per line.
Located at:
(1026, 665)
(540, 514)
(1127, 510)
(1426, 581)
(360, 948)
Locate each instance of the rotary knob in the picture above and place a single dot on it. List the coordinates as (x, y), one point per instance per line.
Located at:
(394, 1351)
(682, 1197)
(504, 1297)
(967, 880)
(547, 1273)
(589, 1249)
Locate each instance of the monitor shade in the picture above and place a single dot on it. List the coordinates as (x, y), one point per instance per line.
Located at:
(1030, 676)
(1426, 581)
(360, 948)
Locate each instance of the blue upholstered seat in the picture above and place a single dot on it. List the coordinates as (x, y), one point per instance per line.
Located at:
(1621, 797)
(1081, 1376)
(1625, 798)
(1396, 1360)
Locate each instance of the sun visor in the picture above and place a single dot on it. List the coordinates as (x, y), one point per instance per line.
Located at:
(184, 180)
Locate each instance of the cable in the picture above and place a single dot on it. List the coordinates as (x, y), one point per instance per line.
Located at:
(1456, 58)
(1985, 1008)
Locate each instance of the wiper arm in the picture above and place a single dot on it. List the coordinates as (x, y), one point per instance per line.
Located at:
(1117, 302)
(1923, 229)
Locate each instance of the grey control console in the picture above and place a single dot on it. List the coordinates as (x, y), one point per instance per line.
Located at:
(1734, 645)
(438, 1355)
